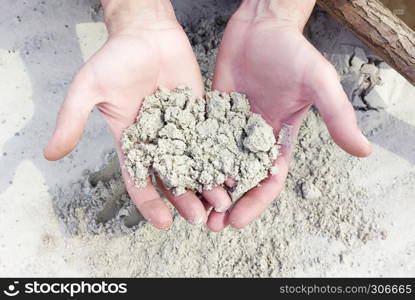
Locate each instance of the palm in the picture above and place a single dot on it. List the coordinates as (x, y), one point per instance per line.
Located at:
(282, 75)
(272, 66)
(129, 67)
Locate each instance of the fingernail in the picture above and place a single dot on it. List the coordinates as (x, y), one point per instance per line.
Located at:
(365, 138)
(198, 221)
(166, 226)
(221, 209)
(233, 225)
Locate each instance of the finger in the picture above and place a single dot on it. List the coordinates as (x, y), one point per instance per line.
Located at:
(147, 199)
(229, 182)
(72, 118)
(218, 221)
(255, 201)
(218, 197)
(188, 205)
(206, 204)
(338, 114)
(149, 203)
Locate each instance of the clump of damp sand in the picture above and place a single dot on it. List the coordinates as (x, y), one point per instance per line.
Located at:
(195, 144)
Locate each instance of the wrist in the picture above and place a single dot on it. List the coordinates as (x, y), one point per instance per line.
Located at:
(283, 12)
(122, 15)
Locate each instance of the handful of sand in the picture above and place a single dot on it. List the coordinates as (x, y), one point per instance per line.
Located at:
(196, 144)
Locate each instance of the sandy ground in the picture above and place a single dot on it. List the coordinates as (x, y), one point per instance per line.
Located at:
(43, 43)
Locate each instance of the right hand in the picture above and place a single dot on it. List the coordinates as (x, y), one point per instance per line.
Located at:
(141, 54)
(264, 55)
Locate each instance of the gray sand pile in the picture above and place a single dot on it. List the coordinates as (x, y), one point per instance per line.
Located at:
(193, 144)
(315, 223)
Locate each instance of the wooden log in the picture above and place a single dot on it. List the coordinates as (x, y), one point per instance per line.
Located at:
(379, 29)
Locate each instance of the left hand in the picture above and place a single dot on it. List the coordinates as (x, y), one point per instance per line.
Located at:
(146, 49)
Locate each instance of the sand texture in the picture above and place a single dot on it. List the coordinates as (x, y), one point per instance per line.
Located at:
(196, 144)
(319, 200)
(337, 215)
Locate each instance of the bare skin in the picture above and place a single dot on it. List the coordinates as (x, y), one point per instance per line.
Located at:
(143, 52)
(263, 54)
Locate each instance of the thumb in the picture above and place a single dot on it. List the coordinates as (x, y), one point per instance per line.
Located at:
(338, 113)
(71, 119)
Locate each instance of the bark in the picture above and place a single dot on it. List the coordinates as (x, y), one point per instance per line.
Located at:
(377, 27)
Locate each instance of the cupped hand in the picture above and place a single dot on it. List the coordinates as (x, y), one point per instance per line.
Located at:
(132, 64)
(282, 74)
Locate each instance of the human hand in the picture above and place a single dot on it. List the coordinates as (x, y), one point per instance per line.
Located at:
(146, 49)
(265, 56)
